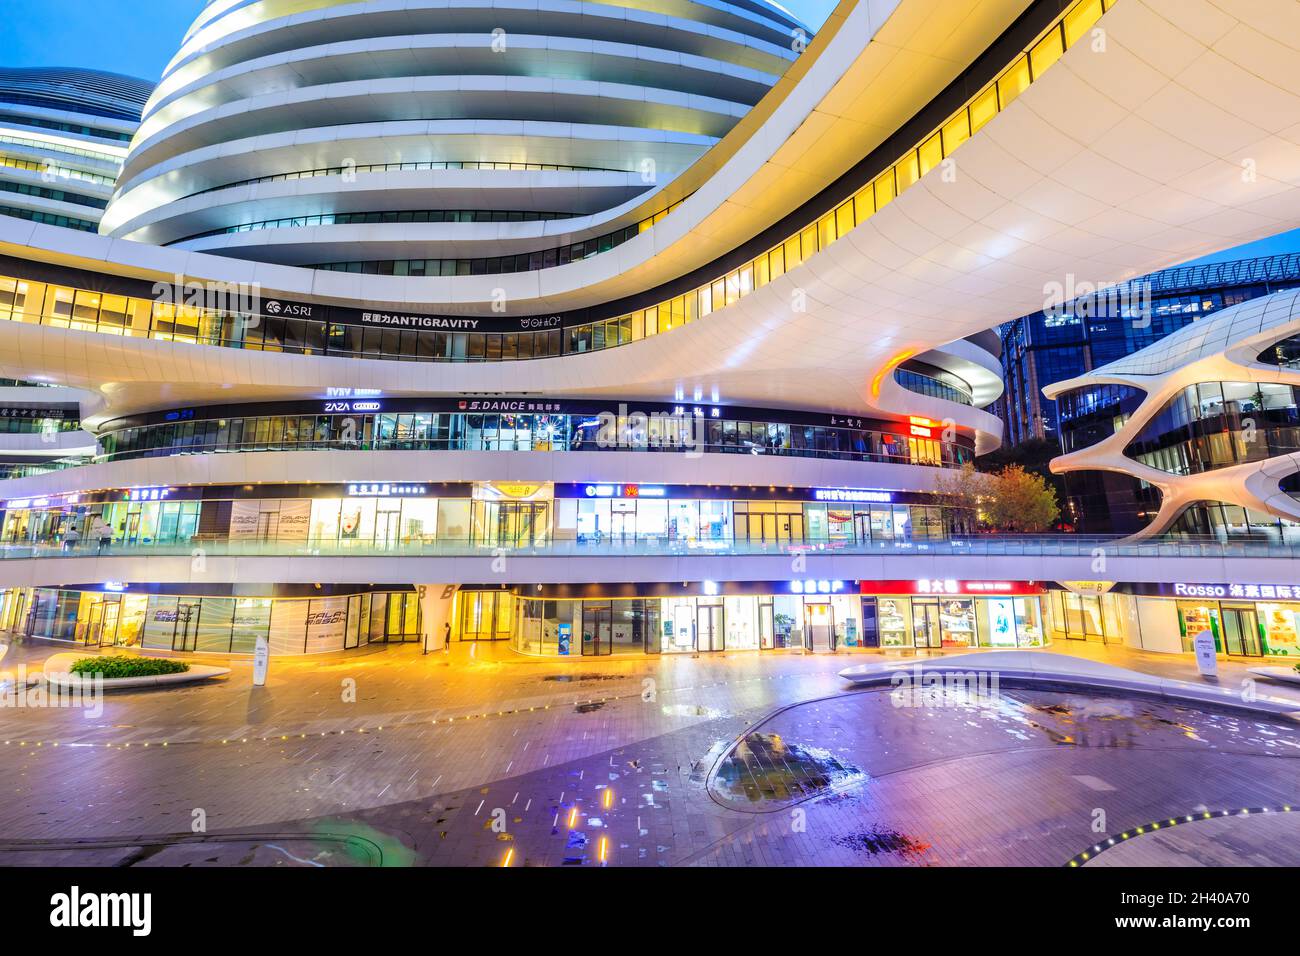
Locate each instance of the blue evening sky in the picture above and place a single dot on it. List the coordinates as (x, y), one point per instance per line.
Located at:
(138, 37)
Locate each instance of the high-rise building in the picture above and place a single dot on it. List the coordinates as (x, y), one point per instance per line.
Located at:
(63, 136)
(1051, 346)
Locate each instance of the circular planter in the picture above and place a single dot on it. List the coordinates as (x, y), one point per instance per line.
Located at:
(57, 674)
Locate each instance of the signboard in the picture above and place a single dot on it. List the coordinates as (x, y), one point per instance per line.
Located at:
(385, 489)
(261, 662)
(1207, 661)
(942, 586)
(564, 635)
(416, 322)
(1232, 592)
(1088, 587)
(852, 495)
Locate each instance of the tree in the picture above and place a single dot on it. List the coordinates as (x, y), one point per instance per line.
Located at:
(1019, 501)
(965, 489)
(1034, 455)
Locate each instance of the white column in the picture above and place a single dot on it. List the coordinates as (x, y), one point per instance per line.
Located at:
(436, 602)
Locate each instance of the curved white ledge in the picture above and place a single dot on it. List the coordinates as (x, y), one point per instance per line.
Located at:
(583, 192)
(1045, 667)
(326, 147)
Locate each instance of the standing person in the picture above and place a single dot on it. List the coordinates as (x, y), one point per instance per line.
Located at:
(446, 636)
(103, 534)
(71, 539)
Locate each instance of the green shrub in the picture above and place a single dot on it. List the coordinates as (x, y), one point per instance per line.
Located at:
(122, 666)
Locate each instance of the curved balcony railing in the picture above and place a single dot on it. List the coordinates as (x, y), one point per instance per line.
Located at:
(977, 547)
(923, 384)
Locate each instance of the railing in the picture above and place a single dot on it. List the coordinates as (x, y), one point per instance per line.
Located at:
(923, 384)
(981, 546)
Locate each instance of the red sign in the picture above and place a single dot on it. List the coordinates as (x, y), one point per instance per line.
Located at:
(941, 587)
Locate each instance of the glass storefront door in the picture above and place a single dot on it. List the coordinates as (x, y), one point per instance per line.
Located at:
(186, 633)
(1241, 631)
(388, 528)
(709, 632)
(514, 524)
(819, 627)
(597, 629)
(101, 623)
(925, 624)
(766, 625)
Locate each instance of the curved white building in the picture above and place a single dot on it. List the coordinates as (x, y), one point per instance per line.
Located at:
(456, 131)
(63, 137)
(554, 432)
(1206, 423)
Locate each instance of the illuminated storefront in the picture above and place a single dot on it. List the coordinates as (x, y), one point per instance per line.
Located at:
(500, 513)
(1244, 619)
(595, 621)
(291, 620)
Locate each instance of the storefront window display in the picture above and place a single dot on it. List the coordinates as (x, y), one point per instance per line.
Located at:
(1280, 628)
(1237, 629)
(703, 624)
(212, 624)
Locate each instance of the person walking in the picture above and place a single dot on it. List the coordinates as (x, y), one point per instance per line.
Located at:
(103, 534)
(71, 538)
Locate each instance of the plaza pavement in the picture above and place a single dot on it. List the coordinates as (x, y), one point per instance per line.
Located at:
(480, 757)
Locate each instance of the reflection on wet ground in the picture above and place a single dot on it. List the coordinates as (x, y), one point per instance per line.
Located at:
(580, 678)
(878, 841)
(816, 748)
(764, 767)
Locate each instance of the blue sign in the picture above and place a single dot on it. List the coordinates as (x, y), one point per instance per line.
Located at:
(565, 638)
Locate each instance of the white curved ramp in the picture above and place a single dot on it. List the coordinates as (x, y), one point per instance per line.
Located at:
(1050, 668)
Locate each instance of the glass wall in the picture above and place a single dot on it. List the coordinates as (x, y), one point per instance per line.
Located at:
(221, 625)
(1216, 424)
(431, 431)
(704, 624)
(1225, 521)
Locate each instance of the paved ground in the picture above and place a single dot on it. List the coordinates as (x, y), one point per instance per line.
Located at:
(482, 758)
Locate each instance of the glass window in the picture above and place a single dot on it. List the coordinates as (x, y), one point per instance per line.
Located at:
(1013, 82)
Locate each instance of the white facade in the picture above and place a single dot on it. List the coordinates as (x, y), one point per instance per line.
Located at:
(827, 225)
(63, 137)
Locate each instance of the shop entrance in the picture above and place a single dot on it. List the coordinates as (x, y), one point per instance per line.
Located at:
(515, 524)
(710, 633)
(819, 627)
(597, 630)
(766, 625)
(925, 624)
(1241, 631)
(185, 632)
(101, 623)
(622, 524)
(388, 528)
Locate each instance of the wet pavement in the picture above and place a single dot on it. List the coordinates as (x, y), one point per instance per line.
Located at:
(738, 760)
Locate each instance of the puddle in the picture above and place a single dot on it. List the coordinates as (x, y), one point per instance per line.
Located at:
(764, 768)
(691, 710)
(882, 840)
(578, 678)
